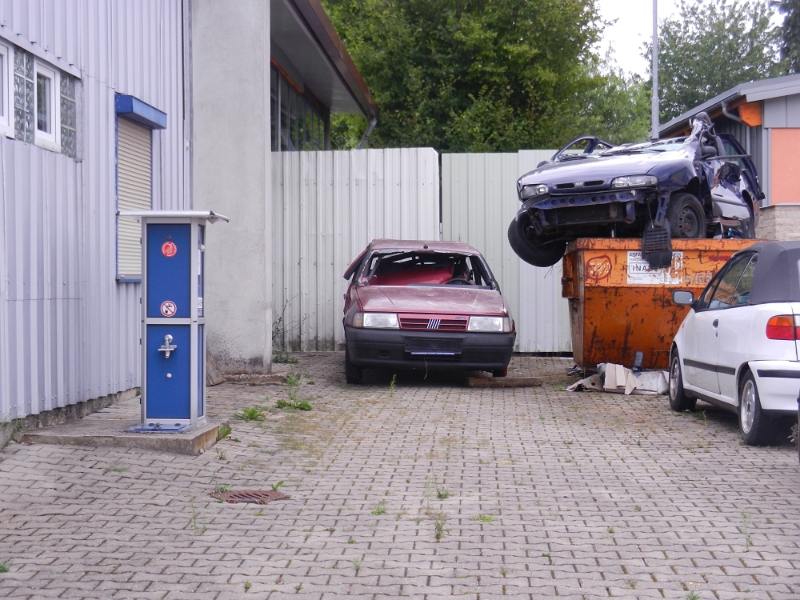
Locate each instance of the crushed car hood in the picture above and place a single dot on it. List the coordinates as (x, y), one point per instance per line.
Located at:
(450, 299)
(602, 167)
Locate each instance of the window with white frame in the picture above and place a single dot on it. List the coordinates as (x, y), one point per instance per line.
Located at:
(47, 107)
(6, 90)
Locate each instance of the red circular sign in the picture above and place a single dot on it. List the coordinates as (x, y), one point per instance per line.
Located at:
(169, 249)
(168, 308)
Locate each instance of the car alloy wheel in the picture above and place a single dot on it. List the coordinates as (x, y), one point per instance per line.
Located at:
(747, 411)
(678, 400)
(757, 428)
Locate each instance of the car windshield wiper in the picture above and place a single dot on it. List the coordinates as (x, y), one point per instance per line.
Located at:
(572, 157)
(628, 151)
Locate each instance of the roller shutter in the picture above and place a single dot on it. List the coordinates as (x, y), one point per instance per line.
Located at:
(134, 185)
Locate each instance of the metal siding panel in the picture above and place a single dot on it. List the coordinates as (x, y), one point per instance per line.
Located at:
(793, 110)
(775, 112)
(330, 205)
(478, 202)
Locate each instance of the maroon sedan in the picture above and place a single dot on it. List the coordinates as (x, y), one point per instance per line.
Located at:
(424, 305)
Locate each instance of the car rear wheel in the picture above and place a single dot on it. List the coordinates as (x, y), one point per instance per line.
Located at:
(523, 241)
(757, 428)
(500, 372)
(352, 373)
(686, 217)
(678, 400)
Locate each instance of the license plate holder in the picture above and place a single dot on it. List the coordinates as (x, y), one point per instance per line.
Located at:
(433, 347)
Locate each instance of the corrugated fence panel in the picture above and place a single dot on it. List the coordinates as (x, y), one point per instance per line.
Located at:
(543, 312)
(327, 206)
(69, 331)
(479, 200)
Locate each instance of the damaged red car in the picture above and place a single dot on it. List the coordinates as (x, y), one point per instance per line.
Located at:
(424, 305)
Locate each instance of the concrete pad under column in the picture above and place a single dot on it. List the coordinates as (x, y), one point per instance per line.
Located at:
(106, 429)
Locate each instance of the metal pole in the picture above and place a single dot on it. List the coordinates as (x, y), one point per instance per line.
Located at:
(654, 108)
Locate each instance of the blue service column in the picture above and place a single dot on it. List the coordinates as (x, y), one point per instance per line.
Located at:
(173, 345)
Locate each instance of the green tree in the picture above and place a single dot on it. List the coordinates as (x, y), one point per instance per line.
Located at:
(790, 33)
(471, 75)
(712, 46)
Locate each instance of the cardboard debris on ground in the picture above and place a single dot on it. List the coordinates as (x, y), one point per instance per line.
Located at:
(617, 379)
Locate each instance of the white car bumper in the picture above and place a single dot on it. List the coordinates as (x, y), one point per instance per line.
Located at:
(778, 384)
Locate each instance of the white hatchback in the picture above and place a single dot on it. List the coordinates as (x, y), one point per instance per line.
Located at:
(738, 346)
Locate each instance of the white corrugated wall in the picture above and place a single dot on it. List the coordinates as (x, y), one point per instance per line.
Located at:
(479, 200)
(68, 331)
(327, 206)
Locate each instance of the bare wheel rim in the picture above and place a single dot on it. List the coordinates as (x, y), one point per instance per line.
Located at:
(748, 406)
(675, 372)
(689, 223)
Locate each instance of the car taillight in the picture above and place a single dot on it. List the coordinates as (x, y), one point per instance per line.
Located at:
(783, 327)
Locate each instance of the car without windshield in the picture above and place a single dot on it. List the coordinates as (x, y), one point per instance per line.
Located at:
(424, 305)
(703, 185)
(738, 345)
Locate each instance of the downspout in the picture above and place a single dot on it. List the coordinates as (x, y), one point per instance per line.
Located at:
(363, 143)
(737, 119)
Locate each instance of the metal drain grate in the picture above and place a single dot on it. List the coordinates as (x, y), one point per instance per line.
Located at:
(249, 496)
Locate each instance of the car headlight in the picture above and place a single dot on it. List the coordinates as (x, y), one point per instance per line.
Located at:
(376, 320)
(634, 181)
(502, 324)
(531, 191)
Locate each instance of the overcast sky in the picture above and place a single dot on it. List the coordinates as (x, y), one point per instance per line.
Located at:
(634, 25)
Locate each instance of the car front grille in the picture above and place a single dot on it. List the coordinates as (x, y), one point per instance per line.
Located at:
(433, 322)
(579, 185)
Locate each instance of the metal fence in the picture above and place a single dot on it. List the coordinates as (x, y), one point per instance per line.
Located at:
(479, 200)
(327, 206)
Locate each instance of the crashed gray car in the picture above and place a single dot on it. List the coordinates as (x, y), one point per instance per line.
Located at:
(702, 185)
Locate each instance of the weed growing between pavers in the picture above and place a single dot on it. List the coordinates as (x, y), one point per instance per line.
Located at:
(251, 413)
(195, 521)
(5, 567)
(380, 509)
(223, 432)
(484, 518)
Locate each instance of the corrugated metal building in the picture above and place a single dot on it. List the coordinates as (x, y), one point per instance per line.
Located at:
(69, 320)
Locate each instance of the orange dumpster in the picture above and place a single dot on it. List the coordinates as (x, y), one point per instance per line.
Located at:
(618, 305)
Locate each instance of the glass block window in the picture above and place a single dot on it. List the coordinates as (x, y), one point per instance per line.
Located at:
(69, 117)
(44, 103)
(23, 96)
(297, 119)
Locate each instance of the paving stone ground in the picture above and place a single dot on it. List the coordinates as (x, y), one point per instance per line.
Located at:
(423, 489)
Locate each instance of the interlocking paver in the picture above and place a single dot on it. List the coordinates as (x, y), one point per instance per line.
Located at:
(533, 492)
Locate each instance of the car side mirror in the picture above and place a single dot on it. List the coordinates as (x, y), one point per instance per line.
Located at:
(544, 162)
(683, 297)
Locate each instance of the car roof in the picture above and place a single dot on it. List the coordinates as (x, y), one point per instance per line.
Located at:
(777, 274)
(419, 245)
(422, 245)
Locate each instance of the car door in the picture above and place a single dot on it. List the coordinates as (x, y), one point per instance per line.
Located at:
(701, 343)
(701, 362)
(749, 173)
(734, 327)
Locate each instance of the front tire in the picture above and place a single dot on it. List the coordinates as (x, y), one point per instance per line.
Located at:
(500, 372)
(352, 373)
(686, 217)
(756, 427)
(523, 241)
(678, 400)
